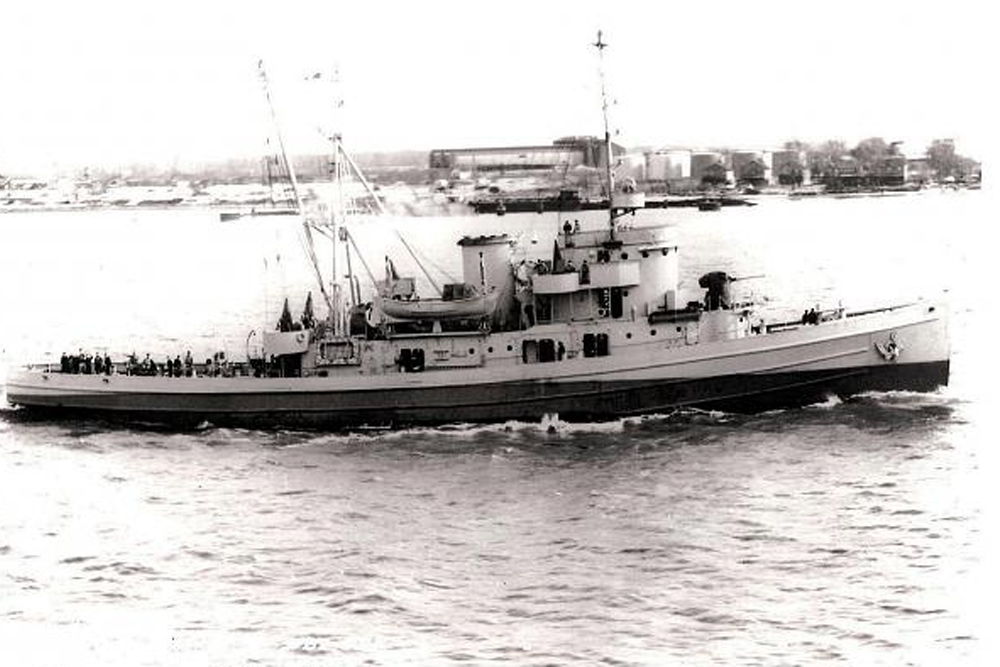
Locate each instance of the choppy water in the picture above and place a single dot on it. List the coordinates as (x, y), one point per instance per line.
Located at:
(849, 533)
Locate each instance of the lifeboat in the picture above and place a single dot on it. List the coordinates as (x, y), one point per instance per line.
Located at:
(468, 307)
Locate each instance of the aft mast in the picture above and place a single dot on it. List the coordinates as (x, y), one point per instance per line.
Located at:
(629, 199)
(345, 205)
(600, 45)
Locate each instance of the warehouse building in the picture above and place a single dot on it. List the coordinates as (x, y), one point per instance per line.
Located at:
(564, 153)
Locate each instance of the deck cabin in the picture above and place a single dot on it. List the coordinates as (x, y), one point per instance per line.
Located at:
(598, 294)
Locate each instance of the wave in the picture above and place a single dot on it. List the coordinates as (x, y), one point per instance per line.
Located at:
(550, 425)
(906, 406)
(892, 409)
(830, 402)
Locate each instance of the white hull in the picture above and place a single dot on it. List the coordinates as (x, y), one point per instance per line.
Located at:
(730, 373)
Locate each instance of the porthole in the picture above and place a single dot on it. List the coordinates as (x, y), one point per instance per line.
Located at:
(628, 335)
(678, 329)
(652, 332)
(490, 349)
(624, 255)
(472, 350)
(510, 348)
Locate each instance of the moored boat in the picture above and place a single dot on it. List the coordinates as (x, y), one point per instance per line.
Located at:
(709, 204)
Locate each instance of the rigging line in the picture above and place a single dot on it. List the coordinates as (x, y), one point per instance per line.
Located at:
(368, 270)
(277, 180)
(361, 177)
(423, 269)
(310, 249)
(433, 264)
(320, 230)
(286, 163)
(277, 131)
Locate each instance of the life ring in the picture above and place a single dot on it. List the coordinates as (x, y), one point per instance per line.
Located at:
(602, 312)
(299, 337)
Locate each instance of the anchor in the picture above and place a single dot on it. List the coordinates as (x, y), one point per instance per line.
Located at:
(890, 350)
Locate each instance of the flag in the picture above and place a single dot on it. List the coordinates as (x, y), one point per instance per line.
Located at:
(308, 319)
(558, 265)
(285, 322)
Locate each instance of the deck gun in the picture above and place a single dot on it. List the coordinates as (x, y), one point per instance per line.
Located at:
(716, 283)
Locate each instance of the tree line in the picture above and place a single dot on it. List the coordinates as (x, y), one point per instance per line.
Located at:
(873, 156)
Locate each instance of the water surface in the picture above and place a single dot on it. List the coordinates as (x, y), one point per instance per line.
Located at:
(855, 532)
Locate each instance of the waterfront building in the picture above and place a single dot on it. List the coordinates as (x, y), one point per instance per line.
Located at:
(845, 173)
(891, 171)
(564, 153)
(918, 170)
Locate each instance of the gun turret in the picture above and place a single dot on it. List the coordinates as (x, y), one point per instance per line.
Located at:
(717, 294)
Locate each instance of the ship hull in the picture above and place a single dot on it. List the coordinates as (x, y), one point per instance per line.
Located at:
(527, 401)
(777, 370)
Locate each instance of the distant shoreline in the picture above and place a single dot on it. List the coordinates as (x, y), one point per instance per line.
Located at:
(427, 203)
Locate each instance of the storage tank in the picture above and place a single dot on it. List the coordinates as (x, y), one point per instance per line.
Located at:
(680, 164)
(668, 165)
(787, 166)
(632, 165)
(752, 166)
(657, 164)
(742, 158)
(700, 163)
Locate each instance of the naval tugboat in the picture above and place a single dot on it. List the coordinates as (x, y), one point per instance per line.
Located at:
(593, 331)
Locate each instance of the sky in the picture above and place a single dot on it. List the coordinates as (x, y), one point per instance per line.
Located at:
(108, 82)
